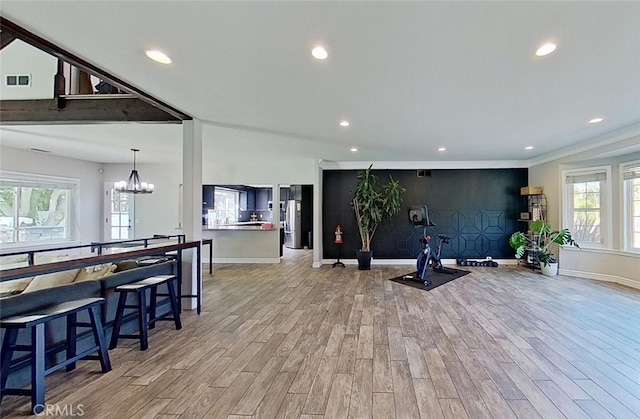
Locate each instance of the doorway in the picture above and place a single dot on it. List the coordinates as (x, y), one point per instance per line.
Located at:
(119, 210)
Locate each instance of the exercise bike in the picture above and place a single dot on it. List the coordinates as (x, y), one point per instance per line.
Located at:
(419, 216)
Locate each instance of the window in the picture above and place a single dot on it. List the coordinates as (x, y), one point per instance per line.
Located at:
(227, 205)
(587, 205)
(631, 197)
(35, 208)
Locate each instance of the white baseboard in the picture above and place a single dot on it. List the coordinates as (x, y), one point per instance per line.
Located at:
(601, 277)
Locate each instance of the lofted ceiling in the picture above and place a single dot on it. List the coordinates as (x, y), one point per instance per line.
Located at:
(410, 77)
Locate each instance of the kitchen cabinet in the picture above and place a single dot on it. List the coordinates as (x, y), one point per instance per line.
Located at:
(295, 192)
(284, 194)
(249, 197)
(208, 192)
(263, 196)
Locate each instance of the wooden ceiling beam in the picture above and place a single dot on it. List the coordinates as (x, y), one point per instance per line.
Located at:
(82, 109)
(6, 37)
(66, 56)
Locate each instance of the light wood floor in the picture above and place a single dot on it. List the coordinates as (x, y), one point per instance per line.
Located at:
(289, 341)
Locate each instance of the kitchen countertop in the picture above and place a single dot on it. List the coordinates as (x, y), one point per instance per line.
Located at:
(235, 227)
(240, 225)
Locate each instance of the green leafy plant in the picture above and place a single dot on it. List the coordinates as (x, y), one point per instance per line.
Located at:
(374, 204)
(540, 241)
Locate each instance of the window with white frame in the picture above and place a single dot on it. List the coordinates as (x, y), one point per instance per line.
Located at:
(227, 205)
(36, 209)
(631, 205)
(587, 205)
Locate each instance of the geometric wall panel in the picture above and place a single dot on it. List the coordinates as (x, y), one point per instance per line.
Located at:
(477, 208)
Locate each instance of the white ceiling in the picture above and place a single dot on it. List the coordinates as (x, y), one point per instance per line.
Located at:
(409, 76)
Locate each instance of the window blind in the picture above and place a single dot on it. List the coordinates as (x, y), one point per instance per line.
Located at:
(631, 172)
(589, 177)
(20, 180)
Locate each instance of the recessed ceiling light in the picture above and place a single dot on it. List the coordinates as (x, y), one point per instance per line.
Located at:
(442, 149)
(529, 147)
(344, 123)
(158, 56)
(546, 49)
(319, 53)
(353, 149)
(595, 120)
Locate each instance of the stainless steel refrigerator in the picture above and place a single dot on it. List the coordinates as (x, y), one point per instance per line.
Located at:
(293, 224)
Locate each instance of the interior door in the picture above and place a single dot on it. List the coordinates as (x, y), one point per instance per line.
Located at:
(119, 212)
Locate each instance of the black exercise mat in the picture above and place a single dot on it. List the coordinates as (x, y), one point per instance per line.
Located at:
(437, 278)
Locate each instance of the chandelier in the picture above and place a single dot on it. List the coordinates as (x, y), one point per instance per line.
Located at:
(134, 184)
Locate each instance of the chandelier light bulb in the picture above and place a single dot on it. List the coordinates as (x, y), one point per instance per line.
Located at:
(133, 184)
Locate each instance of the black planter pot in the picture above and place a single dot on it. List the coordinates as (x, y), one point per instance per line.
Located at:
(364, 260)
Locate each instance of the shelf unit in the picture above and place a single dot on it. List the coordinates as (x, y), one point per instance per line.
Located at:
(535, 203)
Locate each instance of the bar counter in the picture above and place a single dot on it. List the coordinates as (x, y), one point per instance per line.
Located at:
(244, 242)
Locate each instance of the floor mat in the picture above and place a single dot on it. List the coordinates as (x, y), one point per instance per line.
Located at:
(436, 278)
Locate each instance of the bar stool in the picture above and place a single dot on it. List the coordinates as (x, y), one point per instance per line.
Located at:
(140, 289)
(35, 322)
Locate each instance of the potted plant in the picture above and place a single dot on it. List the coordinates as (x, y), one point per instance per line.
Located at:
(373, 204)
(539, 242)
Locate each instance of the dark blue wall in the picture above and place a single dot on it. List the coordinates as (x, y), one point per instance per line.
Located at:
(477, 208)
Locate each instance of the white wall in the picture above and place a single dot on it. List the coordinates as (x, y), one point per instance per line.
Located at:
(268, 171)
(613, 264)
(602, 265)
(155, 213)
(91, 184)
(21, 58)
(158, 213)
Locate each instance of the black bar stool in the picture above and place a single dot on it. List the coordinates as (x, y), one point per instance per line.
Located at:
(140, 288)
(35, 323)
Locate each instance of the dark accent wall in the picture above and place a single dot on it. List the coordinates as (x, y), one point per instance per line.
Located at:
(477, 208)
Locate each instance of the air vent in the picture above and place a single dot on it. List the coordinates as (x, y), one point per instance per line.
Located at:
(424, 173)
(18, 80)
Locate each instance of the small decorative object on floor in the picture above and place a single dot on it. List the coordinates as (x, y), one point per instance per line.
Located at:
(486, 262)
(338, 241)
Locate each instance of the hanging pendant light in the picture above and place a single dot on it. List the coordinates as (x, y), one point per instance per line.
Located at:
(134, 184)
